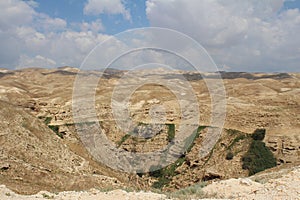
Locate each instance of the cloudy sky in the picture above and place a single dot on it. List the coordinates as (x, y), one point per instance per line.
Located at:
(240, 35)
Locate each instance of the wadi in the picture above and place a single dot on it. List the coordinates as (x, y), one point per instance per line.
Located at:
(49, 141)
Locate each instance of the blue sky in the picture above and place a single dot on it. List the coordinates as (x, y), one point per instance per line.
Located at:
(72, 11)
(240, 35)
(292, 4)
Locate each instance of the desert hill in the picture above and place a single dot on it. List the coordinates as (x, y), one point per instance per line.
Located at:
(40, 148)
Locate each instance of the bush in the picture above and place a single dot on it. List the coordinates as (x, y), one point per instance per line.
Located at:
(171, 132)
(165, 174)
(55, 129)
(236, 140)
(259, 134)
(229, 155)
(123, 139)
(258, 158)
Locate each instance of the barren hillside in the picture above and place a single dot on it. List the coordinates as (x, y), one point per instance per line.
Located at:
(41, 149)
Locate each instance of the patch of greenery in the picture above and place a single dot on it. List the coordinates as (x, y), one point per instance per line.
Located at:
(236, 139)
(191, 192)
(171, 132)
(46, 196)
(229, 156)
(259, 134)
(258, 158)
(165, 174)
(189, 142)
(47, 120)
(55, 129)
(123, 139)
(232, 131)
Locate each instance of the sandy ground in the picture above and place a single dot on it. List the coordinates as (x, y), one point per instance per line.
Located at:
(6, 194)
(284, 187)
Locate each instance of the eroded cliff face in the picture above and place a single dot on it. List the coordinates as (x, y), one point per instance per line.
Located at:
(286, 147)
(270, 102)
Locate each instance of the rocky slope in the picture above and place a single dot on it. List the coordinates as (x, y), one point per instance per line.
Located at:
(282, 184)
(34, 158)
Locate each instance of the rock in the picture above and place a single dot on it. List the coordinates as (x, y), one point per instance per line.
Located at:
(4, 166)
(246, 181)
(211, 174)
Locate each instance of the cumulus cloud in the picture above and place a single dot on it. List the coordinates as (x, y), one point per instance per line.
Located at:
(96, 7)
(44, 22)
(30, 39)
(243, 34)
(37, 61)
(15, 13)
(94, 26)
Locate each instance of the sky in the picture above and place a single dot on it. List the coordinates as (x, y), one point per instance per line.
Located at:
(239, 35)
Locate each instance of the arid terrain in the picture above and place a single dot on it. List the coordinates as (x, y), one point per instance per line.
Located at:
(41, 149)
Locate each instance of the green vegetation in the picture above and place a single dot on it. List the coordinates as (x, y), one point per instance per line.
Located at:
(123, 139)
(236, 139)
(259, 157)
(165, 174)
(191, 192)
(46, 196)
(47, 120)
(233, 131)
(171, 132)
(239, 136)
(259, 134)
(190, 140)
(55, 129)
(229, 156)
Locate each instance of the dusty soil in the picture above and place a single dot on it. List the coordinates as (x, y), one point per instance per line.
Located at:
(285, 184)
(34, 158)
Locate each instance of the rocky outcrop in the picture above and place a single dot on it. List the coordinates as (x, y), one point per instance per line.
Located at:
(286, 148)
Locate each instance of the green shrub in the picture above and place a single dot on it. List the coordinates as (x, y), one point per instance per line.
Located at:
(171, 132)
(237, 139)
(165, 174)
(259, 134)
(191, 192)
(232, 131)
(47, 120)
(189, 141)
(229, 155)
(123, 139)
(55, 129)
(258, 158)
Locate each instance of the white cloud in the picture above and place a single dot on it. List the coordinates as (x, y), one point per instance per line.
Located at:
(94, 26)
(32, 39)
(243, 34)
(47, 23)
(96, 7)
(37, 61)
(14, 13)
